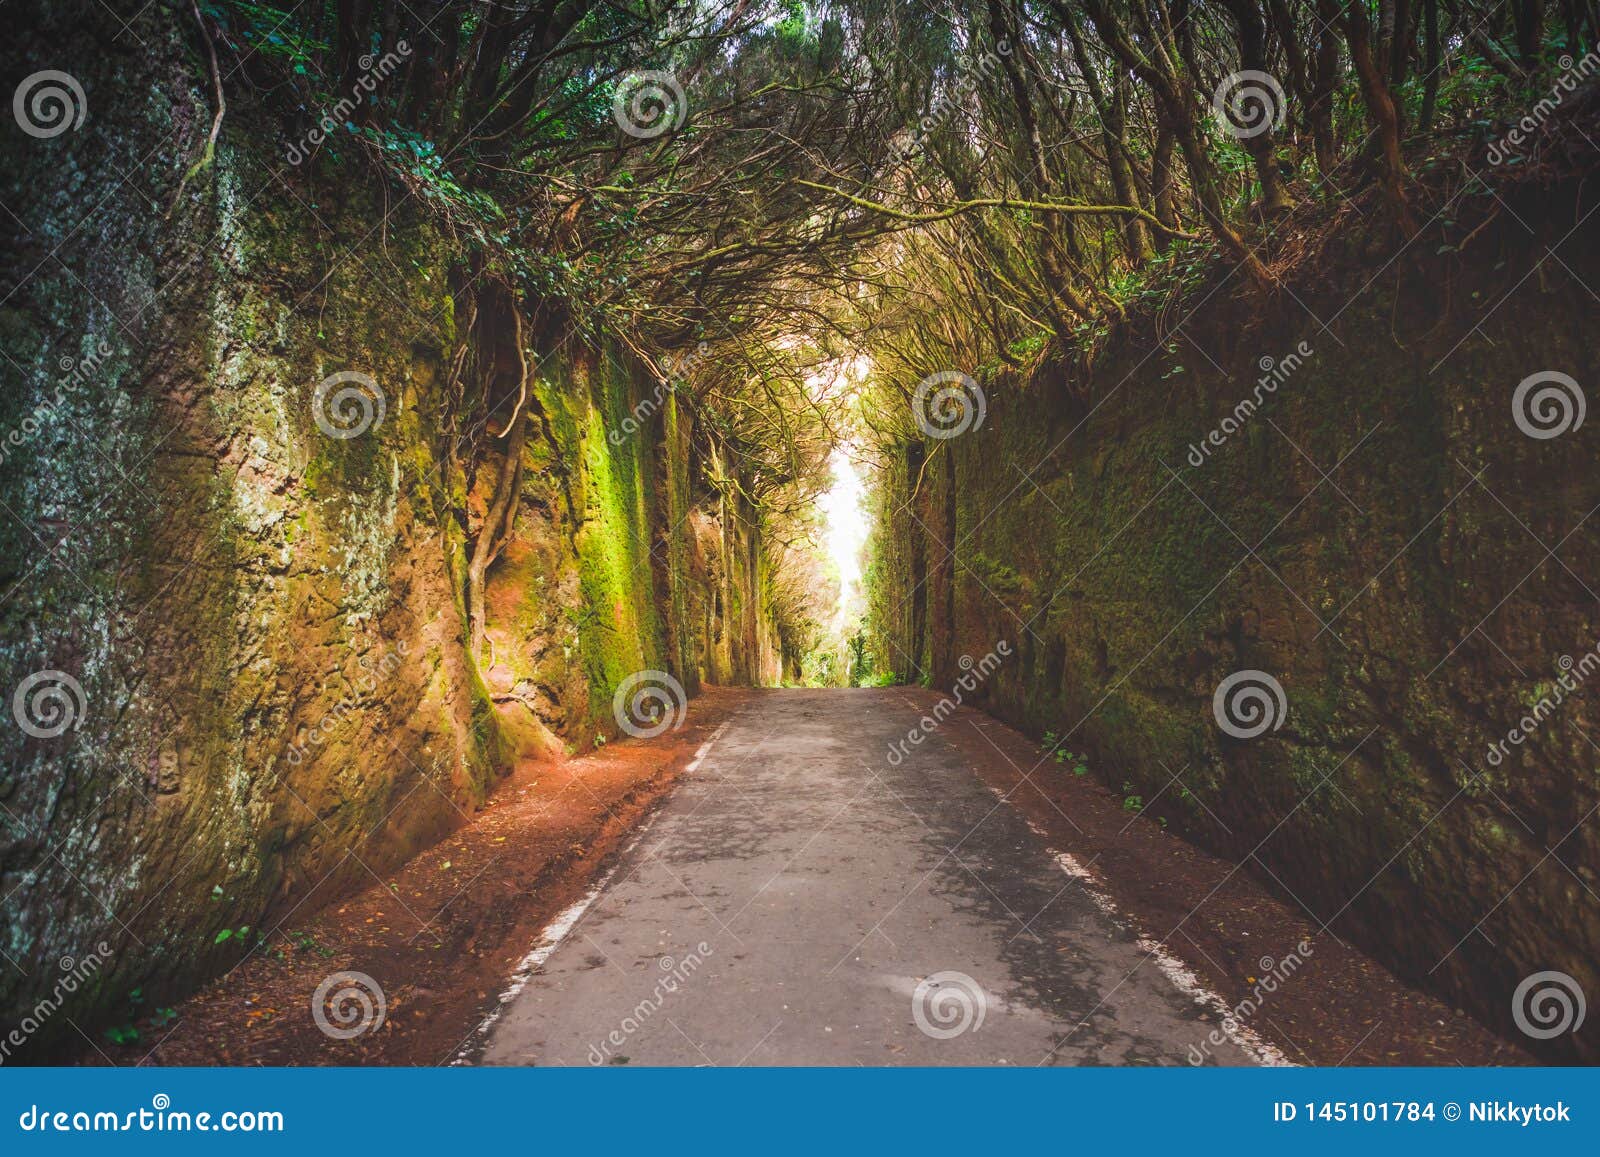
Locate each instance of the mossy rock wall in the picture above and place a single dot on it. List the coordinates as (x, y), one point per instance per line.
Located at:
(278, 701)
(625, 558)
(1380, 537)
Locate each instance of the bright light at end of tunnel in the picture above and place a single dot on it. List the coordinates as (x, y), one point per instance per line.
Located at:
(846, 529)
(845, 524)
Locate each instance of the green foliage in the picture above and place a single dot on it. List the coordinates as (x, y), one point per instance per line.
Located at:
(306, 942)
(417, 160)
(1053, 747)
(126, 1031)
(268, 31)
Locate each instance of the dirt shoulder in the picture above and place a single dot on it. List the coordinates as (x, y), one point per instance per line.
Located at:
(441, 935)
(1339, 1008)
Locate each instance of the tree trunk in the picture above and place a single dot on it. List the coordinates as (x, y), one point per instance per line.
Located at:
(1112, 110)
(1178, 102)
(354, 19)
(502, 511)
(1320, 112)
(1400, 46)
(1430, 61)
(1252, 34)
(1529, 18)
(1380, 110)
(1163, 181)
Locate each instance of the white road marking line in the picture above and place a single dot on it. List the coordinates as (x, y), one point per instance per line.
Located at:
(566, 920)
(705, 748)
(1182, 977)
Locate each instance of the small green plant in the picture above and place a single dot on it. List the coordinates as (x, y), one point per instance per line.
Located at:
(1078, 762)
(1130, 801)
(126, 1032)
(306, 942)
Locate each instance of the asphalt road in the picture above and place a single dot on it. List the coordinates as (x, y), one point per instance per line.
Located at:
(801, 900)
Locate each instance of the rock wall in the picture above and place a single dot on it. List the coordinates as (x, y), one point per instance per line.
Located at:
(1377, 534)
(233, 637)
